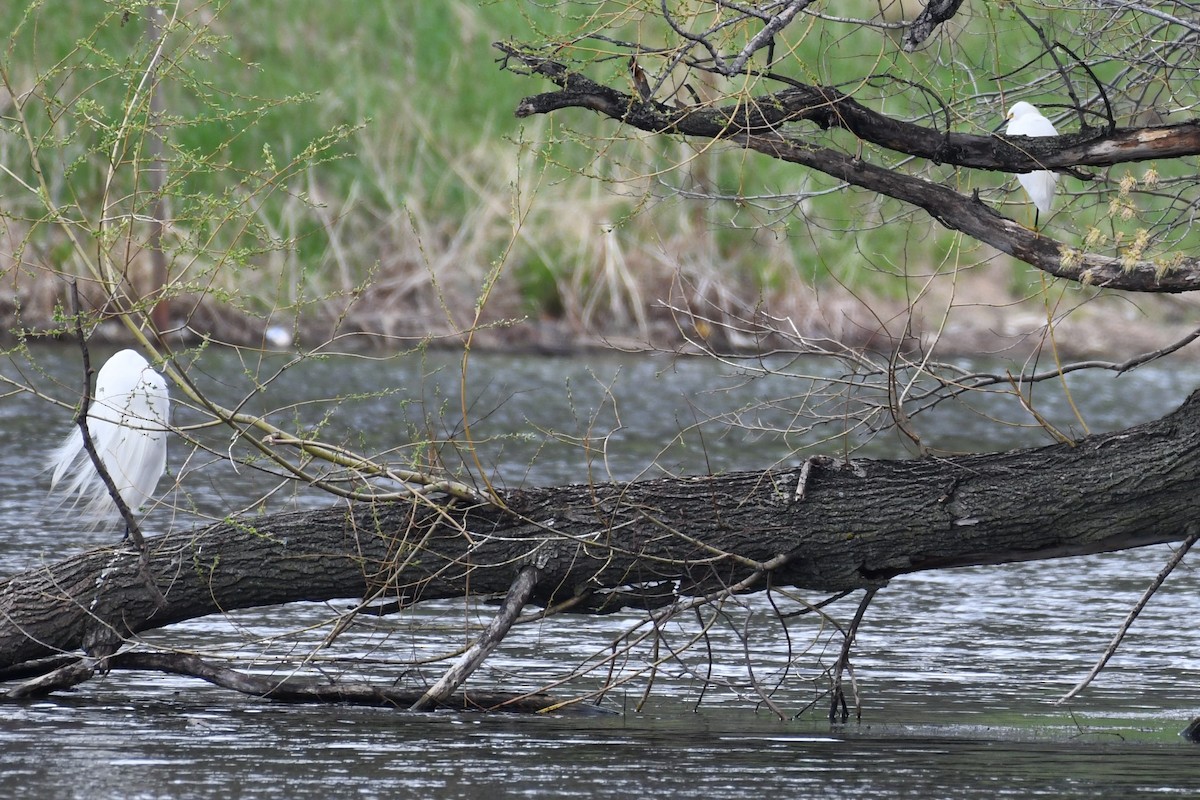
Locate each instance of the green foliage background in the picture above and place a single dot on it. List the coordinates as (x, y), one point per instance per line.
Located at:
(321, 150)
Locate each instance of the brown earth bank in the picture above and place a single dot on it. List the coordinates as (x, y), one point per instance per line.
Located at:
(979, 312)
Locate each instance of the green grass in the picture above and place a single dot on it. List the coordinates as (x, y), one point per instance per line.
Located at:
(316, 145)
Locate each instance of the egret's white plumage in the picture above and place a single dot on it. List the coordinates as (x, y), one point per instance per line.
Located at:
(1025, 120)
(127, 422)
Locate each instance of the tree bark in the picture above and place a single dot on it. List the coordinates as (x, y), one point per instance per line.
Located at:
(858, 524)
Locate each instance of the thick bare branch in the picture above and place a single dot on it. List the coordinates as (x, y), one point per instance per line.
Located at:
(761, 126)
(771, 114)
(934, 14)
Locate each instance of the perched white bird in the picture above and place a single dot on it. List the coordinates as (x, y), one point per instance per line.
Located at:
(127, 422)
(1025, 120)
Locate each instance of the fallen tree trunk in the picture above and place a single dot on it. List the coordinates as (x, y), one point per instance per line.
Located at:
(849, 525)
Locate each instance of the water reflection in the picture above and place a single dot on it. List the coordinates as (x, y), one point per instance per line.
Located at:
(957, 670)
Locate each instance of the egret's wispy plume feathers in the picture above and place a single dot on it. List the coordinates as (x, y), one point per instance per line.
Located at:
(127, 422)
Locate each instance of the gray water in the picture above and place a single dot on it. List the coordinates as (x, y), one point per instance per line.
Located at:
(957, 671)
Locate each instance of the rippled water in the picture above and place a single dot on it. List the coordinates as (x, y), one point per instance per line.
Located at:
(957, 670)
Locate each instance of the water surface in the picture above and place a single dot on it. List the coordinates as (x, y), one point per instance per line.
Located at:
(957, 671)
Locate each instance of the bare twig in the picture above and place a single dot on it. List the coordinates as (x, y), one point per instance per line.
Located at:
(518, 595)
(766, 36)
(762, 693)
(157, 170)
(81, 419)
(838, 700)
(1176, 557)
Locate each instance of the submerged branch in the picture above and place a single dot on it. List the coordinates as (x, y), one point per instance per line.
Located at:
(63, 677)
(290, 690)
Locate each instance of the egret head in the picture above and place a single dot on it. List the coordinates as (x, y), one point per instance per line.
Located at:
(1020, 109)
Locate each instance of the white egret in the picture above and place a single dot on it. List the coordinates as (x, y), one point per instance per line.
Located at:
(127, 423)
(1025, 120)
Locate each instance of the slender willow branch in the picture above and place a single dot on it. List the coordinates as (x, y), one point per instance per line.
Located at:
(272, 436)
(132, 530)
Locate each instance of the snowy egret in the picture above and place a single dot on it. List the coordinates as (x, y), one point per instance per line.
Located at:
(127, 422)
(1025, 120)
